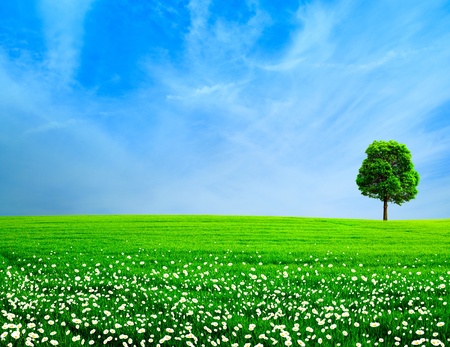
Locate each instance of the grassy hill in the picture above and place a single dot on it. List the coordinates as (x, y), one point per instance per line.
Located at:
(89, 234)
(211, 280)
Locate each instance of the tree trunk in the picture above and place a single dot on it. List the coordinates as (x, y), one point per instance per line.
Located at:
(385, 209)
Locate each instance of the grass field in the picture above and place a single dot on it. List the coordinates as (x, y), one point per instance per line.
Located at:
(233, 281)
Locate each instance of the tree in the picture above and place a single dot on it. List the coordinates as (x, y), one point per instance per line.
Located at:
(388, 174)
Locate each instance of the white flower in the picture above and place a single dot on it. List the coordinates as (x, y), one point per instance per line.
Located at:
(54, 342)
(374, 324)
(436, 342)
(284, 334)
(165, 338)
(440, 324)
(33, 335)
(109, 338)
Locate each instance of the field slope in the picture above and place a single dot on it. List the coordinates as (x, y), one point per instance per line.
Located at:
(210, 280)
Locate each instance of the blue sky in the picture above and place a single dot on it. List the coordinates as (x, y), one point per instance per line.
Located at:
(219, 107)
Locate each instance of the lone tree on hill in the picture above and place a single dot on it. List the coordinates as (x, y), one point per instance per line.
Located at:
(388, 174)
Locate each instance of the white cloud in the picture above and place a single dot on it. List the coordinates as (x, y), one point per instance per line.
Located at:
(64, 20)
(225, 131)
(53, 125)
(315, 111)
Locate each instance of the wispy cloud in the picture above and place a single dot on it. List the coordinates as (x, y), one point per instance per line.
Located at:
(63, 26)
(53, 125)
(223, 120)
(328, 97)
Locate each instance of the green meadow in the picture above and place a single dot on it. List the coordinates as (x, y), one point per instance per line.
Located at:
(221, 280)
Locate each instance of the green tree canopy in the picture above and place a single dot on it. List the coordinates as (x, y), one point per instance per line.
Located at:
(388, 174)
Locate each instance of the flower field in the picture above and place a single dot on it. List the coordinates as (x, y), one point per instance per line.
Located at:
(207, 294)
